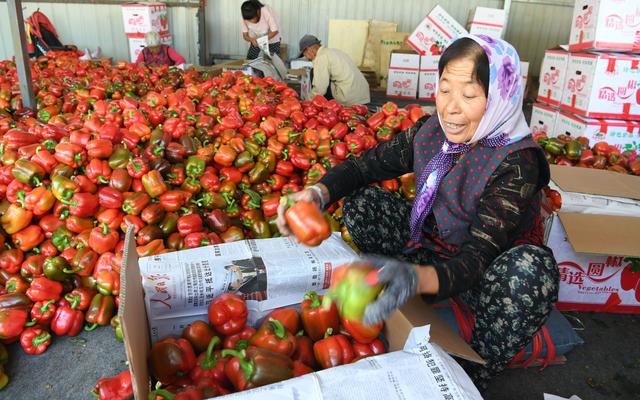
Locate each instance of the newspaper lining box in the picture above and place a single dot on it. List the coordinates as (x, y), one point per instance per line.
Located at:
(552, 76)
(428, 77)
(135, 320)
(145, 17)
(625, 135)
(605, 25)
(304, 77)
(137, 43)
(595, 238)
(435, 32)
(404, 70)
(543, 120)
(603, 85)
(488, 21)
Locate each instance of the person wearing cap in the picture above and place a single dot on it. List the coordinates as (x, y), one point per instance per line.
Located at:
(156, 53)
(259, 20)
(335, 75)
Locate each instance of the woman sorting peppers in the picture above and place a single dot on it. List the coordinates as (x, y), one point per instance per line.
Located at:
(474, 231)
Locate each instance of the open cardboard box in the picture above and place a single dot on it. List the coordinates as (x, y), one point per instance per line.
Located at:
(136, 329)
(593, 244)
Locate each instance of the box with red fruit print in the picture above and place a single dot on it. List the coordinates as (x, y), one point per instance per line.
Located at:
(605, 25)
(404, 68)
(435, 32)
(145, 17)
(603, 85)
(594, 240)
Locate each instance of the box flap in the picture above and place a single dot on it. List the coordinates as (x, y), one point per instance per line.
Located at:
(133, 317)
(417, 313)
(602, 234)
(595, 181)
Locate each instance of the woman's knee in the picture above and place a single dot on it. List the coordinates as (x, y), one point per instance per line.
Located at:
(527, 270)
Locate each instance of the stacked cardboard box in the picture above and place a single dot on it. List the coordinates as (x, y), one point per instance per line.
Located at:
(138, 19)
(591, 88)
(413, 70)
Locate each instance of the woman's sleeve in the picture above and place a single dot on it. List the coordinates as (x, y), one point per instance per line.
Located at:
(385, 161)
(176, 57)
(500, 211)
(243, 26)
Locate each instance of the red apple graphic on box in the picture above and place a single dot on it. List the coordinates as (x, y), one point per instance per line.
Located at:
(630, 276)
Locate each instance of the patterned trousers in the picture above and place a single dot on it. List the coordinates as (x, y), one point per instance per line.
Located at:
(254, 52)
(510, 303)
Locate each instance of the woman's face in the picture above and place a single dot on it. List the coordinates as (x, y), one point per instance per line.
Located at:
(460, 100)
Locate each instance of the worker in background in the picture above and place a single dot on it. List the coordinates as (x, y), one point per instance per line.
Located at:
(335, 75)
(156, 53)
(259, 20)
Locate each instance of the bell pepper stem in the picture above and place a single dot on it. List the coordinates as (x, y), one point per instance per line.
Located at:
(247, 366)
(277, 328)
(105, 229)
(40, 339)
(72, 271)
(163, 393)
(46, 305)
(94, 394)
(314, 298)
(91, 327)
(242, 344)
(328, 333)
(75, 302)
(209, 360)
(31, 323)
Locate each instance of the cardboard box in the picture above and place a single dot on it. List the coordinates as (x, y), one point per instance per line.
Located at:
(137, 43)
(428, 77)
(488, 21)
(303, 76)
(594, 250)
(552, 76)
(404, 69)
(605, 25)
(625, 135)
(145, 17)
(389, 42)
(435, 32)
(543, 120)
(136, 329)
(603, 85)
(301, 63)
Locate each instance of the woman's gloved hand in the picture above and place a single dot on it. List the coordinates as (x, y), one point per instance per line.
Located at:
(400, 281)
(317, 194)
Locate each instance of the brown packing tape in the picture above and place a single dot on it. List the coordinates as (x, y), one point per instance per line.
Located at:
(133, 317)
(602, 234)
(417, 313)
(595, 181)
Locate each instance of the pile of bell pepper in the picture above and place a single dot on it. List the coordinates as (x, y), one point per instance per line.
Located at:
(224, 355)
(578, 152)
(185, 158)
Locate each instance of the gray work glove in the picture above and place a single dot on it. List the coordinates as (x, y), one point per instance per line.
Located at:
(400, 281)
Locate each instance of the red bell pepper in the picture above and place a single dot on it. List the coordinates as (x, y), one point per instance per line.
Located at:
(199, 334)
(83, 204)
(70, 154)
(300, 368)
(307, 223)
(35, 340)
(14, 311)
(228, 313)
(288, 317)
(362, 350)
(98, 171)
(135, 203)
(225, 156)
(255, 367)
(189, 224)
(231, 341)
(317, 319)
(109, 197)
(117, 387)
(210, 364)
(333, 350)
(67, 320)
(43, 289)
(28, 238)
(84, 294)
(273, 336)
(42, 312)
(304, 351)
(153, 183)
(103, 239)
(137, 167)
(171, 359)
(360, 332)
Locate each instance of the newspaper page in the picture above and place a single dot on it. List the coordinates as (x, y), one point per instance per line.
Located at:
(267, 273)
(422, 372)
